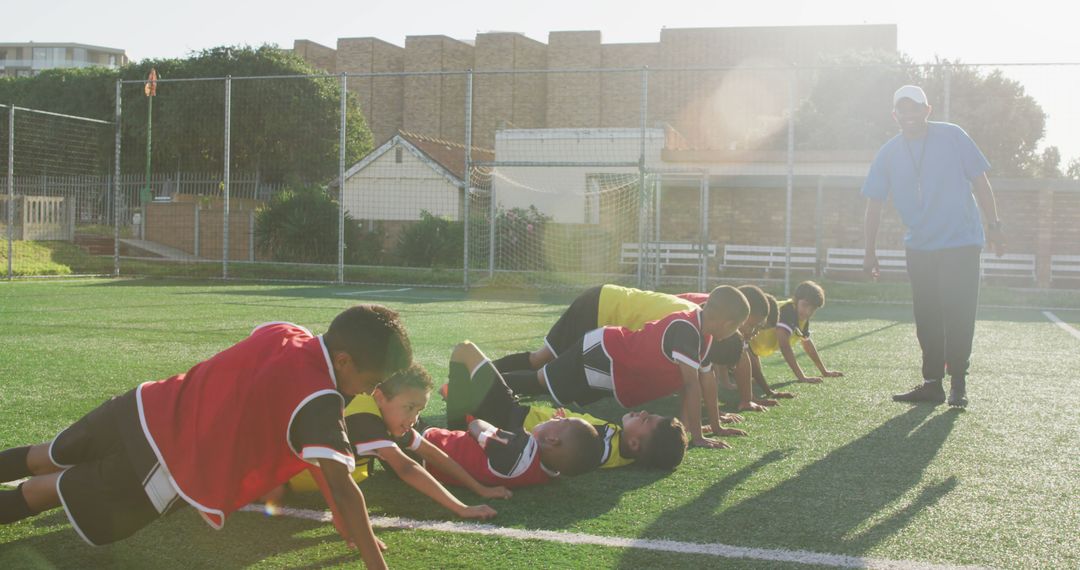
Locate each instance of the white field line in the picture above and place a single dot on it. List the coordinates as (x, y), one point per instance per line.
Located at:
(720, 550)
(357, 293)
(17, 482)
(1062, 324)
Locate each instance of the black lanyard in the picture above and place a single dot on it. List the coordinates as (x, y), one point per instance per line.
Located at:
(918, 165)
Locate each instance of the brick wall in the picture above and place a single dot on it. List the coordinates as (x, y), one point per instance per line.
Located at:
(319, 56)
(507, 100)
(573, 99)
(381, 98)
(435, 104)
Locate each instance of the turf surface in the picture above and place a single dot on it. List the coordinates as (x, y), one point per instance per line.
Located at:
(841, 469)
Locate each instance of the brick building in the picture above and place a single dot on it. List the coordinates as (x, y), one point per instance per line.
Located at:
(433, 103)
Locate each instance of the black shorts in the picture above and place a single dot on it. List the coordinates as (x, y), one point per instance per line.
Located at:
(110, 473)
(578, 319)
(582, 374)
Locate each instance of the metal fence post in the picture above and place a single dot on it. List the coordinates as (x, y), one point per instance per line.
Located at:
(642, 194)
(790, 182)
(703, 272)
(11, 193)
(116, 185)
(341, 181)
(228, 159)
(948, 92)
(465, 184)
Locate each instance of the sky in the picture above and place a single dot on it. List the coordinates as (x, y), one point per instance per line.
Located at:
(989, 31)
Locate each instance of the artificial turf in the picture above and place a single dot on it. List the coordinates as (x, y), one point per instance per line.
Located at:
(841, 469)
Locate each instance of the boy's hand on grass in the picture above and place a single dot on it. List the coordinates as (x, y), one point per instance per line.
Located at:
(811, 379)
(730, 432)
(498, 492)
(730, 418)
(477, 512)
(756, 406)
(832, 374)
(708, 443)
(775, 394)
(765, 403)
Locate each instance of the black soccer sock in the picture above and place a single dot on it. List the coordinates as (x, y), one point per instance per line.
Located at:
(457, 396)
(13, 506)
(523, 383)
(512, 362)
(13, 464)
(498, 403)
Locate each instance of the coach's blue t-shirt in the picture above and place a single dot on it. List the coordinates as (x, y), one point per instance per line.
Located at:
(935, 201)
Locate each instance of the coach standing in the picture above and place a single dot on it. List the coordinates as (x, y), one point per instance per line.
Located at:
(936, 177)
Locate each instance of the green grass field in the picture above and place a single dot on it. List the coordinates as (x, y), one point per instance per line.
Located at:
(839, 470)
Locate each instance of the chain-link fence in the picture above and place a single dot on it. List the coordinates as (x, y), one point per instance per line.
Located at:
(646, 177)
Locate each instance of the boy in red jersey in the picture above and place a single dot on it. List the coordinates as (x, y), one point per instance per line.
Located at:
(665, 357)
(221, 435)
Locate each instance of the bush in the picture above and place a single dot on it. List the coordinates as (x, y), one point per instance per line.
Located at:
(519, 239)
(434, 241)
(301, 226)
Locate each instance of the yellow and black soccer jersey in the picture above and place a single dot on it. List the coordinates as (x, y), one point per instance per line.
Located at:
(765, 342)
(367, 433)
(609, 432)
(632, 308)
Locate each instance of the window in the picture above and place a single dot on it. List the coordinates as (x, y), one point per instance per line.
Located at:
(397, 154)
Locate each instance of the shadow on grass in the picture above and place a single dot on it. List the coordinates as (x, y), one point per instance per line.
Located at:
(823, 508)
(181, 541)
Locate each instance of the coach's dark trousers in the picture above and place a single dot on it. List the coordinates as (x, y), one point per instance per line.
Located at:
(945, 293)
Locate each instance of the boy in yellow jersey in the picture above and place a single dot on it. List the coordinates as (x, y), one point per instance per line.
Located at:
(380, 426)
(597, 307)
(477, 389)
(793, 325)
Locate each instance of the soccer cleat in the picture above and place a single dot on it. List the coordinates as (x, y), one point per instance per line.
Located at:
(925, 392)
(958, 393)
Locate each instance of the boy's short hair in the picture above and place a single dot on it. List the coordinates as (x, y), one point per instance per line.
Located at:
(373, 336)
(413, 377)
(666, 446)
(727, 304)
(774, 312)
(756, 298)
(585, 449)
(810, 292)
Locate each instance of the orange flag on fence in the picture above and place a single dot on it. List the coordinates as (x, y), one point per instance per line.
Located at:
(151, 84)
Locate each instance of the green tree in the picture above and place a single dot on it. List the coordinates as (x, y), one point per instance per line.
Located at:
(284, 129)
(1048, 164)
(1073, 170)
(846, 106)
(301, 226)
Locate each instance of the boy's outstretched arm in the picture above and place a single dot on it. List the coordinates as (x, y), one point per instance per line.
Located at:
(691, 408)
(744, 384)
(784, 338)
(418, 478)
(759, 377)
(348, 503)
(441, 461)
(710, 393)
(811, 350)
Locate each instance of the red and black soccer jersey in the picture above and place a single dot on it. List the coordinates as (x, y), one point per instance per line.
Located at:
(500, 457)
(644, 364)
(227, 431)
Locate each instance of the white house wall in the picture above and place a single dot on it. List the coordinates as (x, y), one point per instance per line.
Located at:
(560, 191)
(387, 190)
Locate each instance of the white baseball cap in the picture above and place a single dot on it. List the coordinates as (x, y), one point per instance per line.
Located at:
(913, 92)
